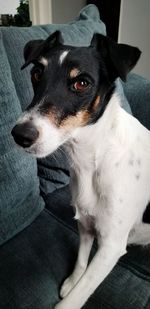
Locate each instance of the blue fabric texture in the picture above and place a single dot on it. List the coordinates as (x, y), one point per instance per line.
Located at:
(137, 91)
(20, 201)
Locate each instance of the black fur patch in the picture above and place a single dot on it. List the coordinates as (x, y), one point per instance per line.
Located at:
(98, 65)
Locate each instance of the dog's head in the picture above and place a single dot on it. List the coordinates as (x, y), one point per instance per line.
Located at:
(72, 86)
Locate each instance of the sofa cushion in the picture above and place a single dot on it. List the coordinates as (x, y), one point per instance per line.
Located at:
(137, 91)
(20, 201)
(34, 264)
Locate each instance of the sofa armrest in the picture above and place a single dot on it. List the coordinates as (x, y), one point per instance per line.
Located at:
(137, 91)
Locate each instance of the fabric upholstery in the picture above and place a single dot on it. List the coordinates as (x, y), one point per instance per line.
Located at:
(137, 91)
(20, 202)
(34, 264)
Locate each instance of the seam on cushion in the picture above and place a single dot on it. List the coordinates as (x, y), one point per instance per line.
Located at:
(102, 304)
(134, 271)
(138, 268)
(67, 226)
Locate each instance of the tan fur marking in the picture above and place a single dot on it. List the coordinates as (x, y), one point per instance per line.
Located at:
(53, 117)
(74, 73)
(72, 122)
(96, 103)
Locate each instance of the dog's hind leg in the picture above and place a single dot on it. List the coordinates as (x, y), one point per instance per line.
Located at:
(86, 241)
(140, 235)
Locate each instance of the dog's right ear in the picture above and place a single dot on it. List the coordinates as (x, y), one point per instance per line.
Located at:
(30, 51)
(119, 59)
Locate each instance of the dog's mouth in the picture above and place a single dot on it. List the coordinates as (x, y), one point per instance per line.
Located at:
(36, 135)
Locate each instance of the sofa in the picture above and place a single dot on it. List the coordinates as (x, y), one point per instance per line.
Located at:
(38, 233)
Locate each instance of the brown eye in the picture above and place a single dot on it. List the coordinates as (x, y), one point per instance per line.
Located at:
(80, 85)
(36, 74)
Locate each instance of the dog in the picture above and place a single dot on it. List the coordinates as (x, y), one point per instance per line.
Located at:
(76, 104)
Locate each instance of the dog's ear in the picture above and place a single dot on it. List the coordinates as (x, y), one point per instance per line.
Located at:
(54, 39)
(33, 49)
(119, 59)
(30, 51)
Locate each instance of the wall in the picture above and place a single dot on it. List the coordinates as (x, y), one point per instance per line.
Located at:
(134, 25)
(134, 29)
(64, 11)
(8, 6)
(40, 11)
(54, 11)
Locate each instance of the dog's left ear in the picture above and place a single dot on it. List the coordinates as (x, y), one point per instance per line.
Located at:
(119, 59)
(33, 49)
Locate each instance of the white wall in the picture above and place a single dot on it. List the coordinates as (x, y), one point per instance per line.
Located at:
(54, 11)
(66, 10)
(40, 11)
(134, 29)
(8, 6)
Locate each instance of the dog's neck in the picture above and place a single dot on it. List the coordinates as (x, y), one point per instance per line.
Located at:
(87, 142)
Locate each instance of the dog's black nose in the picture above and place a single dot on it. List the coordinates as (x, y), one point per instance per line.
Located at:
(25, 134)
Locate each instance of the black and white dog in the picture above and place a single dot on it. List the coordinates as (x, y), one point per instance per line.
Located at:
(75, 103)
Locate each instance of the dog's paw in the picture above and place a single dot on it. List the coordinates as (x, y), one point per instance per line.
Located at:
(62, 305)
(67, 287)
(59, 306)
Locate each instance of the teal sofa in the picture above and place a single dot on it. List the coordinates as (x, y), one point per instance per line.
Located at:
(38, 235)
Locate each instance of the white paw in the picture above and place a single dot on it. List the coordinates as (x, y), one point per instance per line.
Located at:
(62, 305)
(67, 287)
(58, 306)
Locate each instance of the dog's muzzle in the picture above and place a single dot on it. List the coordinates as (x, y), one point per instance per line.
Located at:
(25, 134)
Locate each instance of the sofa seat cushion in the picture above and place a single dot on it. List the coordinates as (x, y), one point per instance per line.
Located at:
(35, 262)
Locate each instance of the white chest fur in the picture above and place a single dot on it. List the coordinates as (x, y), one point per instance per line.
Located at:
(105, 157)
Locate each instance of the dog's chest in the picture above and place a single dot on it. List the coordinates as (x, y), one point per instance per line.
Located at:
(84, 197)
(83, 178)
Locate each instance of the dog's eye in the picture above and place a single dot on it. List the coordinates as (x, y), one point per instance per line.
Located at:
(36, 73)
(80, 85)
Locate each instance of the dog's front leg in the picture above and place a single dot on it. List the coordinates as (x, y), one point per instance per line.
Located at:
(86, 241)
(103, 262)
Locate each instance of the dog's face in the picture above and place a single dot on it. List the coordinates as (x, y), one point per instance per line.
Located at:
(72, 87)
